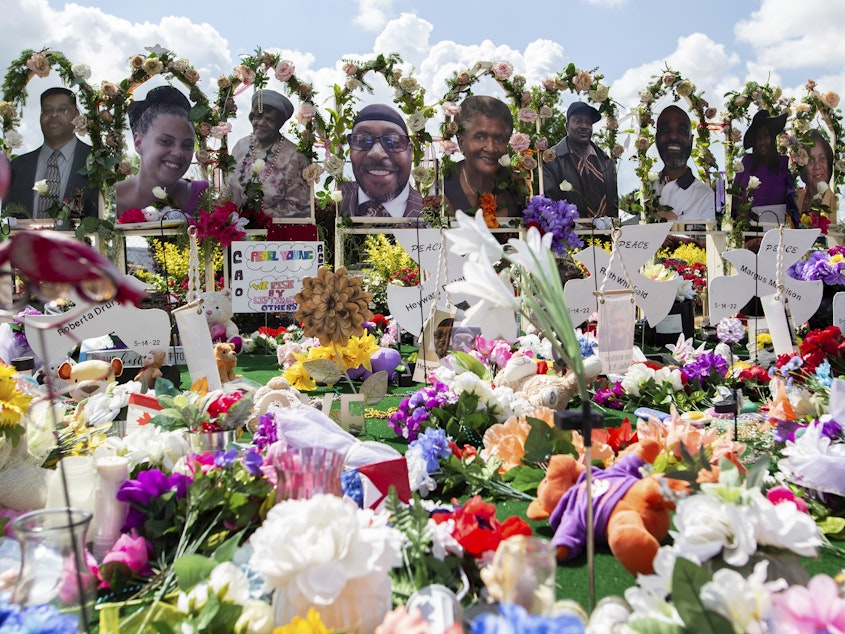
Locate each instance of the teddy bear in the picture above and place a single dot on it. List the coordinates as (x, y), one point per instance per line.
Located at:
(217, 307)
(547, 390)
(278, 393)
(227, 359)
(89, 377)
(148, 374)
(631, 512)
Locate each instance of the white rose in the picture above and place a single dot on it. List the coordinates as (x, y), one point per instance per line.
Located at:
(193, 601)
(753, 182)
(703, 527)
(420, 174)
(81, 70)
(159, 192)
(416, 121)
(41, 187)
(505, 160)
(13, 139)
(565, 186)
(738, 167)
(334, 165)
(822, 188)
(229, 583)
(258, 166)
(256, 618)
(337, 196)
(653, 176)
(637, 374)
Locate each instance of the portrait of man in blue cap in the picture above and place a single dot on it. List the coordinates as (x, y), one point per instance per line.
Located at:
(381, 156)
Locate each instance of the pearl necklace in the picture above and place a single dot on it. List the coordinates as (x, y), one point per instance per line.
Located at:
(250, 158)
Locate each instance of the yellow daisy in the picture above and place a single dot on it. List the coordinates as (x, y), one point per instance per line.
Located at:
(311, 624)
(13, 402)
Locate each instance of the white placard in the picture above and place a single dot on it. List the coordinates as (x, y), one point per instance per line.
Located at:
(615, 330)
(142, 330)
(266, 275)
(756, 275)
(635, 245)
(411, 305)
(199, 350)
(839, 311)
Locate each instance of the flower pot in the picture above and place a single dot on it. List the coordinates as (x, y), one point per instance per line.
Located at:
(303, 472)
(681, 319)
(358, 609)
(201, 442)
(823, 317)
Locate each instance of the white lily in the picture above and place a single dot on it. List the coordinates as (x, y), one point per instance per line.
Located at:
(481, 281)
(472, 238)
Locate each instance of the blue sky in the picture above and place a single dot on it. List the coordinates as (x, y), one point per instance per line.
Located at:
(719, 45)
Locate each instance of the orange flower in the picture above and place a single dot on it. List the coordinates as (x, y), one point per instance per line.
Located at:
(487, 203)
(507, 442)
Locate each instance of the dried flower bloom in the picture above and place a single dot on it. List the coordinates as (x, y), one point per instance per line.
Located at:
(333, 306)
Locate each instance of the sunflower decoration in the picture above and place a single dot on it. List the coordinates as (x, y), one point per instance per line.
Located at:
(333, 306)
(13, 405)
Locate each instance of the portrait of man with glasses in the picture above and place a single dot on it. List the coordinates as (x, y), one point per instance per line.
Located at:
(57, 162)
(380, 151)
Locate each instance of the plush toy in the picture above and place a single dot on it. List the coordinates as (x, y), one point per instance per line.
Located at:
(89, 377)
(277, 394)
(51, 368)
(217, 306)
(630, 512)
(547, 390)
(227, 359)
(148, 374)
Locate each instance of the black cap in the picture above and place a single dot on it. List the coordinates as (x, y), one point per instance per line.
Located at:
(579, 107)
(23, 364)
(380, 112)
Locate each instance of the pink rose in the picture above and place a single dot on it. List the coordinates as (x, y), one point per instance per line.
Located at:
(541, 143)
(643, 144)
(136, 62)
(244, 74)
(618, 150)
(204, 128)
(549, 155)
(350, 69)
(220, 130)
(451, 109)
(810, 85)
(109, 89)
(527, 115)
(222, 403)
(780, 494)
(132, 551)
(192, 75)
(285, 70)
(203, 156)
(525, 99)
(668, 78)
(582, 81)
(463, 78)
(830, 99)
(448, 147)
(304, 90)
(710, 113)
(549, 84)
(611, 124)
(223, 82)
(520, 141)
(39, 64)
(305, 113)
(736, 135)
(502, 70)
(528, 163)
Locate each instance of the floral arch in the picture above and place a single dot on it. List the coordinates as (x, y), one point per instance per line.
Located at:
(671, 82)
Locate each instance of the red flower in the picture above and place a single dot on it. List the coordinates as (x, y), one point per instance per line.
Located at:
(380, 321)
(620, 437)
(476, 528)
(131, 216)
(755, 373)
(223, 403)
(271, 332)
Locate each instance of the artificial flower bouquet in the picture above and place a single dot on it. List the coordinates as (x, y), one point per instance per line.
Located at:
(827, 265)
(200, 411)
(556, 217)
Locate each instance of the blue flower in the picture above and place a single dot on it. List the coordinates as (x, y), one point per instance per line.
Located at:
(40, 619)
(433, 445)
(513, 619)
(224, 459)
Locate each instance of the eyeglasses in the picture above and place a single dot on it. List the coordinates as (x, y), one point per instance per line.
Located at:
(390, 142)
(62, 110)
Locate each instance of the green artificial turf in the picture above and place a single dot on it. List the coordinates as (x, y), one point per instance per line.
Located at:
(572, 577)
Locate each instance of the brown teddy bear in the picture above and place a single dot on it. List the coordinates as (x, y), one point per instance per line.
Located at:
(148, 374)
(631, 512)
(227, 359)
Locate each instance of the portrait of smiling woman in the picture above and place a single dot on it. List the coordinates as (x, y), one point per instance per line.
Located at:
(164, 139)
(485, 125)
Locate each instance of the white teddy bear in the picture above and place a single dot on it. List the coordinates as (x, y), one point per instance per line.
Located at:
(217, 308)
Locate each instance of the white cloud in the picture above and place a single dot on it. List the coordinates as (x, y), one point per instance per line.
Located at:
(373, 14)
(407, 35)
(789, 34)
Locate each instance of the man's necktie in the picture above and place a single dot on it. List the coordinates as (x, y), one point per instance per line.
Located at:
(54, 181)
(372, 209)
